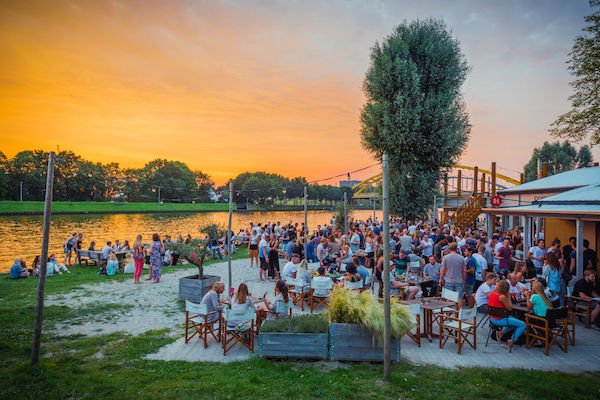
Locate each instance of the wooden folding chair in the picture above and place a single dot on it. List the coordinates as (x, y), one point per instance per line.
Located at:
(500, 313)
(297, 289)
(321, 286)
(283, 307)
(452, 298)
(197, 317)
(459, 328)
(234, 334)
(415, 310)
(581, 308)
(548, 329)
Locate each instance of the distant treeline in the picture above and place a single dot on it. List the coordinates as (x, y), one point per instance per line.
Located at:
(77, 179)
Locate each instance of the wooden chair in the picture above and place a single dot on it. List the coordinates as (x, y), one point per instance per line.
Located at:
(459, 328)
(233, 334)
(452, 298)
(283, 307)
(415, 310)
(494, 326)
(297, 289)
(580, 308)
(548, 329)
(202, 322)
(321, 286)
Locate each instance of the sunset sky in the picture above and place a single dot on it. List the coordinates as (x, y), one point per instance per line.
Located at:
(230, 86)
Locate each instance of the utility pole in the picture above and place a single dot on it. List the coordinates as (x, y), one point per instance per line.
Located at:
(374, 201)
(305, 224)
(386, 269)
(345, 212)
(21, 191)
(229, 235)
(39, 304)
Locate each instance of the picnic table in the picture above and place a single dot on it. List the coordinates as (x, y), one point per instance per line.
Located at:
(428, 305)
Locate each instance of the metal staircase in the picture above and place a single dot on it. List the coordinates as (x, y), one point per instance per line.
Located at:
(468, 212)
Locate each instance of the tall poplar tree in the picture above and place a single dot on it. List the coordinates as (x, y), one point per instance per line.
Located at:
(415, 111)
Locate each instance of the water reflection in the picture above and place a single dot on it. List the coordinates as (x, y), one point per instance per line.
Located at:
(22, 235)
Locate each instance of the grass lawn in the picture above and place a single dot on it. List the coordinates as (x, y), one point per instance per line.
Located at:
(87, 206)
(71, 368)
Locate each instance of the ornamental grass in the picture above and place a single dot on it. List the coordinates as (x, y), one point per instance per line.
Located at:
(349, 307)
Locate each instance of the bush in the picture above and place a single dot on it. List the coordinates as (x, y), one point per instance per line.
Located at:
(349, 307)
(308, 323)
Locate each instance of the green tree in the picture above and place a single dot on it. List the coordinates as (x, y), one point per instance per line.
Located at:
(559, 157)
(197, 252)
(29, 167)
(5, 176)
(415, 111)
(205, 184)
(584, 117)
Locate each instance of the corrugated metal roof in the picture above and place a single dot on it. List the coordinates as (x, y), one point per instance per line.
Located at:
(561, 208)
(589, 193)
(568, 179)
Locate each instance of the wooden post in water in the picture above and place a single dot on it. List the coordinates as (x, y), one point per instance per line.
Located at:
(229, 236)
(386, 269)
(39, 304)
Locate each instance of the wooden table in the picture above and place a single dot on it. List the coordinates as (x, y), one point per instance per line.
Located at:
(520, 309)
(428, 305)
(416, 281)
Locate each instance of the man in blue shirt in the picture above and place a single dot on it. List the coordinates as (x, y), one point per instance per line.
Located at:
(361, 270)
(471, 264)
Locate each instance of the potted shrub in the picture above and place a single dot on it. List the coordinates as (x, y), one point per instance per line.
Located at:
(303, 336)
(194, 287)
(356, 326)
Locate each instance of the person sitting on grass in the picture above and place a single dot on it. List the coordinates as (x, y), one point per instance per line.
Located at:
(129, 265)
(17, 272)
(112, 265)
(35, 267)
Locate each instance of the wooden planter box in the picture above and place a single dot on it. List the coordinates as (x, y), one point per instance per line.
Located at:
(352, 342)
(293, 345)
(194, 289)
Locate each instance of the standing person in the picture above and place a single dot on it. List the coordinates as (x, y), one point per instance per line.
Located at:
(263, 255)
(552, 272)
(273, 256)
(537, 255)
(481, 270)
(504, 255)
(69, 245)
(138, 258)
(155, 259)
(253, 247)
(78, 241)
(426, 245)
(471, 265)
(453, 273)
(370, 245)
(590, 258)
(567, 249)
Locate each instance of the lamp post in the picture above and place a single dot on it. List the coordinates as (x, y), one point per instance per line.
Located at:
(21, 191)
(154, 188)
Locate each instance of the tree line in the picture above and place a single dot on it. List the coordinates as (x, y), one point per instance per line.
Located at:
(77, 179)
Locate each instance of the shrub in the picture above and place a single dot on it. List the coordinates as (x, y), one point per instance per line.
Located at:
(349, 307)
(308, 323)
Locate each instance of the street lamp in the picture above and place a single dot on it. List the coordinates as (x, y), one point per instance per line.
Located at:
(154, 188)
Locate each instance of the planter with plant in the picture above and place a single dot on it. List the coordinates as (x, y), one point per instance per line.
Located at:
(303, 336)
(194, 287)
(356, 326)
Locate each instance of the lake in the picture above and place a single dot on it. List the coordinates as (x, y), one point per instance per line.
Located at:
(22, 235)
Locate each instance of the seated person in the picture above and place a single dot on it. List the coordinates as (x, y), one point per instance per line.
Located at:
(52, 266)
(168, 258)
(35, 267)
(585, 288)
(291, 267)
(528, 271)
(322, 277)
(397, 287)
(211, 299)
(352, 274)
(431, 271)
(112, 265)
(241, 301)
(361, 270)
(17, 272)
(269, 309)
(537, 300)
(129, 265)
(483, 292)
(516, 288)
(303, 273)
(500, 298)
(550, 294)
(289, 249)
(106, 250)
(92, 246)
(401, 263)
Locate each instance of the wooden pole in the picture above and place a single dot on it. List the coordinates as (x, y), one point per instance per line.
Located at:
(386, 269)
(493, 188)
(445, 187)
(483, 183)
(306, 223)
(459, 184)
(521, 179)
(544, 170)
(39, 305)
(475, 176)
(229, 236)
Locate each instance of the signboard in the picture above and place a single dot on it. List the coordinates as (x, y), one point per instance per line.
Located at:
(496, 201)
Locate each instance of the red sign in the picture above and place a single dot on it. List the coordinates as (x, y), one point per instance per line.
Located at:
(496, 201)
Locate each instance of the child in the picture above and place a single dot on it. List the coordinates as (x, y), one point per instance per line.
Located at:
(112, 264)
(129, 267)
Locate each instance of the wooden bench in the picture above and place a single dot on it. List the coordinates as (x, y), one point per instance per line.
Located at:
(87, 256)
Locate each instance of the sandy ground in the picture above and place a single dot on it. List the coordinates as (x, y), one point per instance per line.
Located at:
(153, 306)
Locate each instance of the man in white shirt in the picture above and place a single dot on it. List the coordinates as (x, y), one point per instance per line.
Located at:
(106, 250)
(290, 269)
(263, 256)
(537, 254)
(322, 278)
(515, 287)
(406, 241)
(483, 292)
